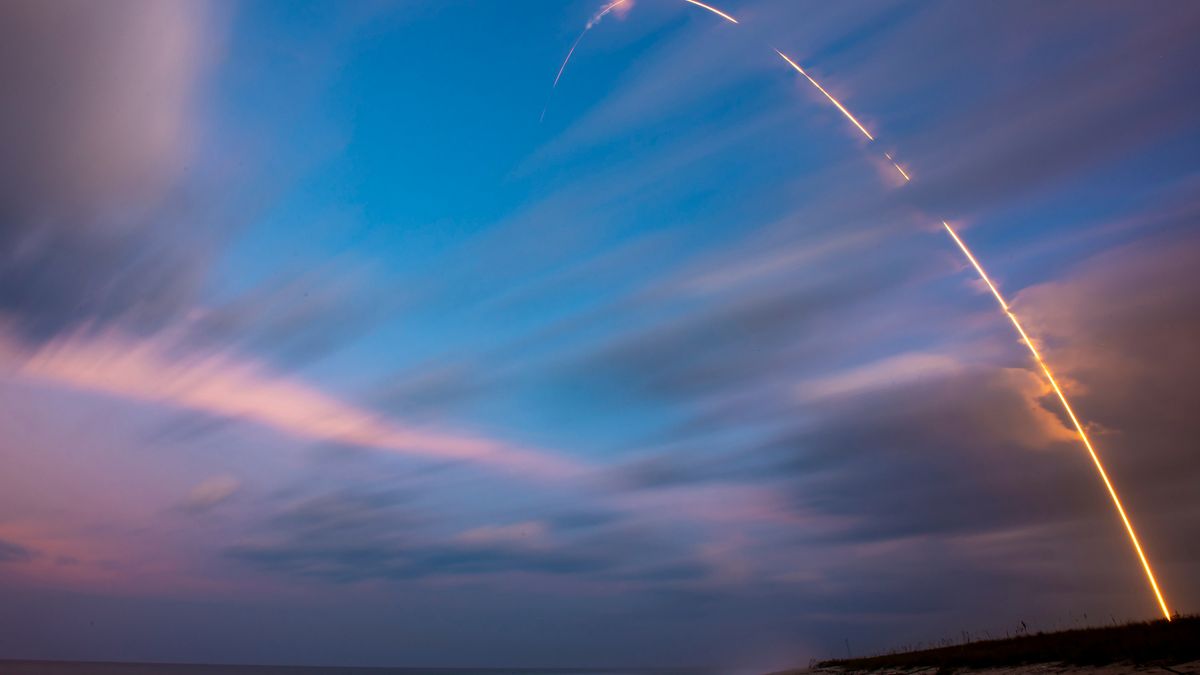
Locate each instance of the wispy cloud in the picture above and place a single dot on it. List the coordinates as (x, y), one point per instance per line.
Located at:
(158, 370)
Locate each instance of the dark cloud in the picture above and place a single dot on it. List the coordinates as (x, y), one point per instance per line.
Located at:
(107, 214)
(1123, 330)
(739, 340)
(953, 456)
(1056, 123)
(975, 477)
(950, 455)
(11, 552)
(360, 536)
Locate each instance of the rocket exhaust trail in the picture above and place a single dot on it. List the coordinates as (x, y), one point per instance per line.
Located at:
(829, 96)
(571, 52)
(896, 164)
(592, 23)
(712, 9)
(567, 60)
(1062, 398)
(1045, 368)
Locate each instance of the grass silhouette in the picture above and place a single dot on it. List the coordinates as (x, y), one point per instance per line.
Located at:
(1154, 642)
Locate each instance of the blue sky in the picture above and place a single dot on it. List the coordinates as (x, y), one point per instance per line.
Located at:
(319, 347)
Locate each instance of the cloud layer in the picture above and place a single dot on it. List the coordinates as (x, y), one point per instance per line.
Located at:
(679, 374)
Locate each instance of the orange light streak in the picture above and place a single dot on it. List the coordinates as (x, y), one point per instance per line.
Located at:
(827, 94)
(1062, 397)
(1087, 443)
(714, 10)
(898, 168)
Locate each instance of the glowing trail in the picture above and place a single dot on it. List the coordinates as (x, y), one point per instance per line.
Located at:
(829, 96)
(712, 9)
(567, 60)
(1087, 443)
(897, 165)
(1083, 437)
(571, 52)
(1062, 397)
(595, 20)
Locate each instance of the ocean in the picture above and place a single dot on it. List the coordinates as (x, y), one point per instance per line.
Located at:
(96, 668)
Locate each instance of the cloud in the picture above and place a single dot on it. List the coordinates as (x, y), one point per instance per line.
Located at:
(98, 129)
(744, 338)
(1122, 329)
(101, 114)
(295, 319)
(1047, 128)
(524, 534)
(223, 384)
(890, 372)
(211, 492)
(947, 455)
(14, 553)
(356, 536)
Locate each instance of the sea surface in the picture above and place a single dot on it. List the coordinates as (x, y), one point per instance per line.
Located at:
(96, 668)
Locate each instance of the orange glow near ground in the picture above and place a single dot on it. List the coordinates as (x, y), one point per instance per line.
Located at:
(1062, 397)
(1087, 443)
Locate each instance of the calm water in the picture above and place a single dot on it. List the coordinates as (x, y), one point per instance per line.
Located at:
(80, 668)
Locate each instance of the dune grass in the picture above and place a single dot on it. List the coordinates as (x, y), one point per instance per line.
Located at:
(1155, 642)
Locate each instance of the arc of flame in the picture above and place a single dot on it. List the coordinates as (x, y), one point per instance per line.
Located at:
(571, 52)
(829, 96)
(1062, 398)
(1045, 367)
(712, 9)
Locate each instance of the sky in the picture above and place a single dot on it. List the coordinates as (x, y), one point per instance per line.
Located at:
(318, 347)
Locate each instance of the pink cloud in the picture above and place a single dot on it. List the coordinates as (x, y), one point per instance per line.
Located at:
(221, 383)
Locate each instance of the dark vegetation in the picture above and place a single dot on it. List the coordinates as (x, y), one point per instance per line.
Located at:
(1157, 642)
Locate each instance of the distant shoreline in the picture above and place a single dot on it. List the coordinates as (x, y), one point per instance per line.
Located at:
(45, 667)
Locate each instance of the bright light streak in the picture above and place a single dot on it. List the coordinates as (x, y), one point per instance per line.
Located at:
(1062, 397)
(714, 10)
(897, 165)
(1087, 443)
(567, 60)
(1112, 492)
(571, 52)
(827, 95)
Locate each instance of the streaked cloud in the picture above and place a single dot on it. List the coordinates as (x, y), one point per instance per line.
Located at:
(211, 492)
(156, 370)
